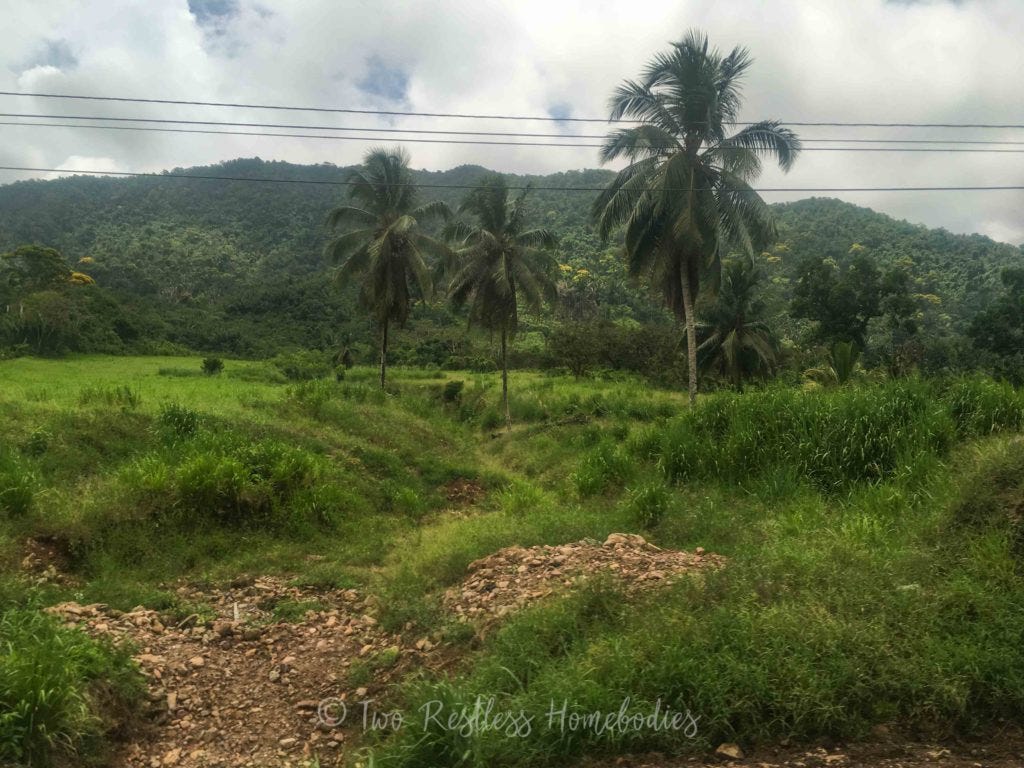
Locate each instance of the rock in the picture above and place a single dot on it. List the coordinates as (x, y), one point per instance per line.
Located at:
(172, 701)
(732, 751)
(223, 628)
(287, 743)
(197, 661)
(274, 675)
(699, 551)
(624, 539)
(172, 757)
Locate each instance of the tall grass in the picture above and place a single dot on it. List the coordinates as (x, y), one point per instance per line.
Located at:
(831, 617)
(60, 691)
(830, 438)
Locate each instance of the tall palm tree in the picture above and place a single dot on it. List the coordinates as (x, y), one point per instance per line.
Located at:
(736, 339)
(382, 241)
(685, 196)
(498, 262)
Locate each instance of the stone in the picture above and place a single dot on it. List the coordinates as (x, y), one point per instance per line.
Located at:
(729, 750)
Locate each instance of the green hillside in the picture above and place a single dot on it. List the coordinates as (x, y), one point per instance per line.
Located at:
(236, 267)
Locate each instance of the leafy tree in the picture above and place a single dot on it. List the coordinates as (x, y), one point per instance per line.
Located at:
(31, 268)
(383, 242)
(685, 196)
(499, 261)
(736, 339)
(843, 299)
(999, 330)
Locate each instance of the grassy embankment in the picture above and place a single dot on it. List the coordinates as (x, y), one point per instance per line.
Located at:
(873, 536)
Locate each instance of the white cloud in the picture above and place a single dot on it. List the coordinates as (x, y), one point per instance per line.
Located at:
(829, 60)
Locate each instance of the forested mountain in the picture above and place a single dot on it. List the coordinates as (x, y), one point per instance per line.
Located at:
(236, 267)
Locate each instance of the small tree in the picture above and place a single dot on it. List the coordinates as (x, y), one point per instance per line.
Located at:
(737, 340)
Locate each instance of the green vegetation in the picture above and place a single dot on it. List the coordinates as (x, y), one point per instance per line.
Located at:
(499, 262)
(61, 693)
(866, 491)
(871, 531)
(685, 198)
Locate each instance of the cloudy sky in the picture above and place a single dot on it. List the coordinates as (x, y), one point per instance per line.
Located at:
(816, 60)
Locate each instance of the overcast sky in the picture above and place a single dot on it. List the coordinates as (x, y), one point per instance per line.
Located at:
(833, 60)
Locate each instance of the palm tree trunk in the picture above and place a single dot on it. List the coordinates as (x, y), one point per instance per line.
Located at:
(504, 377)
(384, 354)
(691, 338)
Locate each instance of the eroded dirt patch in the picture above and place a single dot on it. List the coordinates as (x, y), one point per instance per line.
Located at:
(239, 690)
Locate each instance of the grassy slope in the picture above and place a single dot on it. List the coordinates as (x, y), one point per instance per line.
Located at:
(878, 585)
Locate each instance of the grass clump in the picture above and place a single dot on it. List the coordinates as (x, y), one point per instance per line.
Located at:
(18, 485)
(122, 396)
(604, 467)
(178, 422)
(649, 504)
(61, 692)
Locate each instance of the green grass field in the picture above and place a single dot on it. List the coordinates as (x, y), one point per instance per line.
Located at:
(875, 545)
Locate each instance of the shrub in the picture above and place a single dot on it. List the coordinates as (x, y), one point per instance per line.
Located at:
(303, 365)
(60, 691)
(452, 392)
(212, 366)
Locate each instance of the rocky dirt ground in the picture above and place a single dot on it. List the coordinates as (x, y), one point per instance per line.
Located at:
(241, 684)
(234, 686)
(1004, 750)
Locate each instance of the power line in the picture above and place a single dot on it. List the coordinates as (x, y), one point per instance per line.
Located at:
(325, 182)
(438, 132)
(469, 116)
(406, 140)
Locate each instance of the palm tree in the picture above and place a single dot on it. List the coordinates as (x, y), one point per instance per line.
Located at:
(499, 260)
(685, 196)
(842, 366)
(736, 339)
(382, 240)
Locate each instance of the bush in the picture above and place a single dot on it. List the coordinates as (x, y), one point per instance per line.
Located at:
(60, 691)
(303, 365)
(452, 392)
(212, 366)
